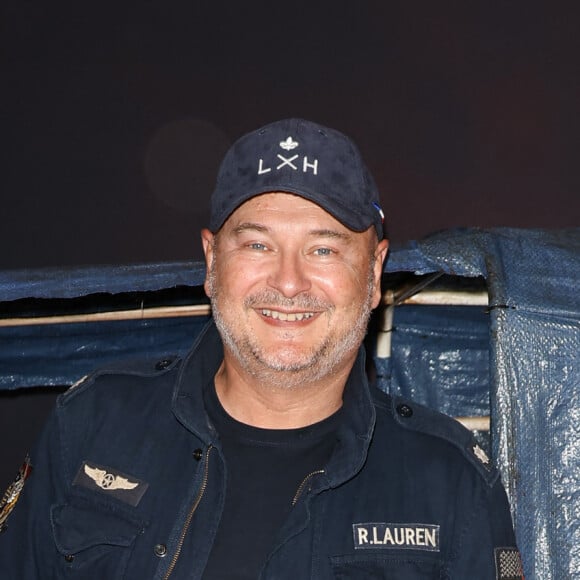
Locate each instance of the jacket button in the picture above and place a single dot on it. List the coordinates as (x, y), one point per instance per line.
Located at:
(160, 550)
(163, 364)
(198, 454)
(404, 411)
(69, 558)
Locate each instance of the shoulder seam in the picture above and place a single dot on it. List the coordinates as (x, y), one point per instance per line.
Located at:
(151, 369)
(446, 428)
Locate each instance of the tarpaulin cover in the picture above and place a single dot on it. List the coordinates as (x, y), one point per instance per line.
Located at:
(532, 279)
(517, 360)
(453, 354)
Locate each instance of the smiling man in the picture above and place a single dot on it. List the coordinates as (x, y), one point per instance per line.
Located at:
(265, 453)
(292, 290)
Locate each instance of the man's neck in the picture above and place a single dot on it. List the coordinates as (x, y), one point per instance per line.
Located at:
(273, 405)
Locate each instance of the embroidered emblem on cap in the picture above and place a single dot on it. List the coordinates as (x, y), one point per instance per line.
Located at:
(112, 482)
(289, 144)
(508, 564)
(289, 162)
(481, 455)
(12, 494)
(377, 535)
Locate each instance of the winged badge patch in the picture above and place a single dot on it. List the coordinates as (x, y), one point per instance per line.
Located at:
(111, 482)
(108, 480)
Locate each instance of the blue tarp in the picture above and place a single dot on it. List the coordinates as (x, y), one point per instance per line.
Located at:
(532, 279)
(83, 281)
(516, 360)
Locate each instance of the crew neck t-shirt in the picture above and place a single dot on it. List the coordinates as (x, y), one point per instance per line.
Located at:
(266, 469)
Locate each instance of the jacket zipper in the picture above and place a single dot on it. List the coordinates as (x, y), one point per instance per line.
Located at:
(301, 487)
(297, 495)
(190, 515)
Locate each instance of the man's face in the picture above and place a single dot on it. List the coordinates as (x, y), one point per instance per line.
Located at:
(291, 288)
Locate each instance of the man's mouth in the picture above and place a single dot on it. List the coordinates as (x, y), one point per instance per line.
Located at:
(286, 316)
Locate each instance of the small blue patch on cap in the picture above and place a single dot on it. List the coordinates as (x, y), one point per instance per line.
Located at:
(381, 213)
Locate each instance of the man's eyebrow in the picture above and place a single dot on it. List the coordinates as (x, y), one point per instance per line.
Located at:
(326, 233)
(316, 233)
(246, 226)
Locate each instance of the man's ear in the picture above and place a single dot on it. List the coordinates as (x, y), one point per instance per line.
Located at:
(207, 242)
(380, 256)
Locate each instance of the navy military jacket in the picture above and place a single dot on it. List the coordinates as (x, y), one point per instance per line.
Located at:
(128, 482)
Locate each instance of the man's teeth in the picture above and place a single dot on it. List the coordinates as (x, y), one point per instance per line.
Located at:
(287, 317)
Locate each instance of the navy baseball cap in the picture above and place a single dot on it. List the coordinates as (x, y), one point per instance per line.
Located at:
(303, 158)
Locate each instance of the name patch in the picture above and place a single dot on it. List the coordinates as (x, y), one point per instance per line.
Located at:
(402, 536)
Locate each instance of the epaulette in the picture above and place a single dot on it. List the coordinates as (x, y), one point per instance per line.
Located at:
(140, 368)
(416, 417)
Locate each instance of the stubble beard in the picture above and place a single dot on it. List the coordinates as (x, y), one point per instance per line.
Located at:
(323, 360)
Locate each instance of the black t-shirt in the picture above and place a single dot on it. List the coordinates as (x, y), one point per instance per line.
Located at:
(265, 469)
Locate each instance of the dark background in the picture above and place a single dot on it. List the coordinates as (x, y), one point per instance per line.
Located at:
(114, 121)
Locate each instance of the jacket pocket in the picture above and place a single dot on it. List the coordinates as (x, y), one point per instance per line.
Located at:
(378, 567)
(94, 540)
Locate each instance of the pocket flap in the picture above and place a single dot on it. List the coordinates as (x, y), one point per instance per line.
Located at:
(80, 525)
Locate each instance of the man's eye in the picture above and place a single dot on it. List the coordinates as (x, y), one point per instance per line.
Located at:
(257, 246)
(323, 251)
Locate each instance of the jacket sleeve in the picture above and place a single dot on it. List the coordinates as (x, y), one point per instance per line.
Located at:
(485, 546)
(27, 548)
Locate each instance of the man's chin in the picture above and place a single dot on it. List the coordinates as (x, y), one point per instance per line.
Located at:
(287, 362)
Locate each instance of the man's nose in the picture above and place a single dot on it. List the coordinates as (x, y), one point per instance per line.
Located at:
(289, 275)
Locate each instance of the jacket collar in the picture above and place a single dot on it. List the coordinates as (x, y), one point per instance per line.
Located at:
(202, 363)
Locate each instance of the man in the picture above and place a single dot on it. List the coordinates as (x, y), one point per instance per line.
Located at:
(265, 453)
